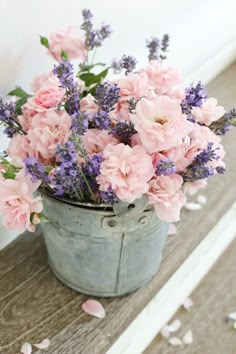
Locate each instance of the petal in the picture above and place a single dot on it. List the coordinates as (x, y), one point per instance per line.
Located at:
(43, 345)
(193, 206)
(187, 303)
(175, 341)
(174, 326)
(232, 316)
(202, 199)
(94, 308)
(165, 332)
(26, 348)
(172, 230)
(188, 337)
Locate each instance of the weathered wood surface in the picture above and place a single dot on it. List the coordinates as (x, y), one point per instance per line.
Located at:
(35, 305)
(213, 299)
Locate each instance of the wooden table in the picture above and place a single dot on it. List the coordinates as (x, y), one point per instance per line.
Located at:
(35, 305)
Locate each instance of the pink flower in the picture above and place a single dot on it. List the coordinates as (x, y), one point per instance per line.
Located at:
(88, 105)
(163, 79)
(69, 40)
(131, 86)
(166, 195)
(19, 149)
(26, 118)
(45, 80)
(126, 170)
(17, 202)
(209, 112)
(160, 123)
(95, 140)
(193, 187)
(46, 97)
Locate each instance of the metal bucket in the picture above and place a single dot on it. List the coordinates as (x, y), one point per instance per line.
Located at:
(103, 251)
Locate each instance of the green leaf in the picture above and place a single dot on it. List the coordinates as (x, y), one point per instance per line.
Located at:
(48, 168)
(91, 79)
(19, 104)
(19, 92)
(9, 175)
(84, 67)
(64, 55)
(44, 42)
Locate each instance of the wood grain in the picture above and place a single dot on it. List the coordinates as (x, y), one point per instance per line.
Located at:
(213, 299)
(35, 305)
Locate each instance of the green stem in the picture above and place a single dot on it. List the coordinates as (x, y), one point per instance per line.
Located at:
(89, 188)
(93, 57)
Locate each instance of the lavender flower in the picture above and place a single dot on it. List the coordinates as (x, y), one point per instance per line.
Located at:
(123, 131)
(158, 48)
(165, 167)
(224, 124)
(102, 120)
(94, 37)
(8, 116)
(91, 170)
(116, 65)
(128, 63)
(107, 95)
(36, 169)
(65, 73)
(108, 196)
(199, 169)
(195, 96)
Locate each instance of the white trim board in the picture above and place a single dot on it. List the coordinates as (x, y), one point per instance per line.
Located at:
(136, 338)
(208, 70)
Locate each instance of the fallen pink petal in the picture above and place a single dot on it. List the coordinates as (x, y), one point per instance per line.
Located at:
(175, 341)
(165, 332)
(188, 337)
(193, 206)
(43, 345)
(172, 230)
(174, 326)
(94, 308)
(232, 316)
(26, 348)
(202, 199)
(187, 303)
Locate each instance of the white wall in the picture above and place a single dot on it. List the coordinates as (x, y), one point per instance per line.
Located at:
(203, 34)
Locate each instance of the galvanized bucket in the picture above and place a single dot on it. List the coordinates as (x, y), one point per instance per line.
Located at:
(103, 251)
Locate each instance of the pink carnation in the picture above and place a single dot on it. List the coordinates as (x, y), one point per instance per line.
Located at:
(160, 123)
(17, 203)
(166, 196)
(45, 80)
(163, 79)
(126, 170)
(95, 140)
(46, 97)
(88, 105)
(69, 40)
(19, 149)
(209, 112)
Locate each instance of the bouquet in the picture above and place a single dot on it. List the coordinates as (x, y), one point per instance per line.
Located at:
(84, 138)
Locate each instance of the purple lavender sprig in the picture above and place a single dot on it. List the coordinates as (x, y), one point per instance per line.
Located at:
(199, 168)
(123, 131)
(165, 167)
(107, 95)
(116, 65)
(128, 63)
(158, 48)
(91, 169)
(195, 96)
(94, 37)
(36, 169)
(224, 124)
(108, 196)
(8, 117)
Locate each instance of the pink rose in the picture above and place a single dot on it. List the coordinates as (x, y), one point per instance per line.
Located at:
(45, 80)
(126, 170)
(160, 123)
(46, 97)
(95, 140)
(69, 40)
(19, 149)
(163, 79)
(17, 202)
(209, 112)
(166, 195)
(88, 105)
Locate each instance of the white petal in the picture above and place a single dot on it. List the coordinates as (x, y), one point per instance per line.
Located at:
(165, 332)
(175, 341)
(172, 230)
(94, 308)
(193, 206)
(232, 316)
(188, 337)
(174, 326)
(202, 199)
(26, 348)
(43, 345)
(187, 303)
